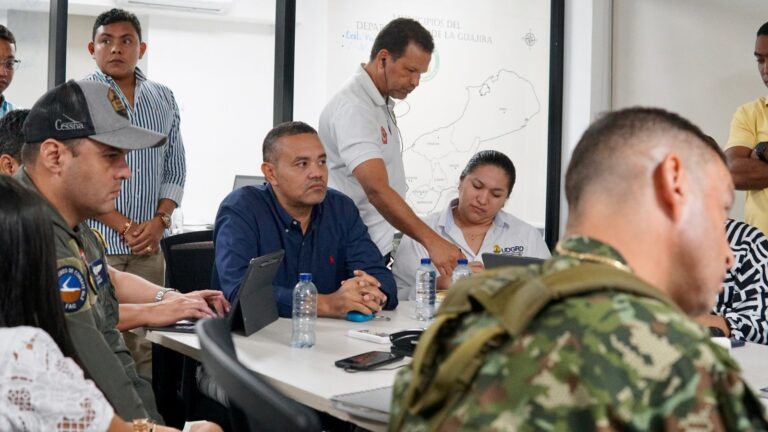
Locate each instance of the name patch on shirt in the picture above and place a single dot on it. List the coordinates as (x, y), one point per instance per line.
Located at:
(72, 288)
(509, 250)
(99, 272)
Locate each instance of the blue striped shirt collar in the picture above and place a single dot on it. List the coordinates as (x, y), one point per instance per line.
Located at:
(140, 77)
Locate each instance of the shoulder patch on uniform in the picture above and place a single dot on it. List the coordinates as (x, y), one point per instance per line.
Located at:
(72, 288)
(100, 236)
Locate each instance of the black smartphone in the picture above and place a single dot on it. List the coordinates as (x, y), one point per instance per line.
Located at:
(368, 361)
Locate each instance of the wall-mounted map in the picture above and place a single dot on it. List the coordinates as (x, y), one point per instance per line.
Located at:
(487, 88)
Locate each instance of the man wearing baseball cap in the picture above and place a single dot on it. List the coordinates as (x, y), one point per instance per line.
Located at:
(77, 136)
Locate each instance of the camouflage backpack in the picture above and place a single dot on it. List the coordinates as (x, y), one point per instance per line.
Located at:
(513, 296)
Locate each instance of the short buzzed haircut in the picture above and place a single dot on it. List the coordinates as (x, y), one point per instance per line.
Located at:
(763, 30)
(12, 133)
(611, 139)
(6, 35)
(397, 34)
(269, 148)
(115, 16)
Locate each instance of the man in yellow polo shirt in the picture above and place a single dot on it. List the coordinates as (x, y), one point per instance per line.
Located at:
(747, 145)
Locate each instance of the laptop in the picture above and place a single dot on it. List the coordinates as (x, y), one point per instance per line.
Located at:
(369, 404)
(492, 260)
(254, 306)
(247, 180)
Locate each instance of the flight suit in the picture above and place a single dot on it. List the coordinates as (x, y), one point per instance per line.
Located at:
(92, 312)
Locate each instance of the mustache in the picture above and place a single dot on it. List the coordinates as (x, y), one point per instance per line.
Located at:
(312, 184)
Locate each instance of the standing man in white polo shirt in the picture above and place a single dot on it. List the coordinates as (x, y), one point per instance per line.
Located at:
(361, 137)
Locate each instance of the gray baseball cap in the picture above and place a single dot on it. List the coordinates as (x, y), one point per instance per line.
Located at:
(79, 109)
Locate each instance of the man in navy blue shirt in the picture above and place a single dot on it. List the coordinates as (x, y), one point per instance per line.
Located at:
(320, 229)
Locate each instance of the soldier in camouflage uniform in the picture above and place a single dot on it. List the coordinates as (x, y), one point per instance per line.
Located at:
(622, 354)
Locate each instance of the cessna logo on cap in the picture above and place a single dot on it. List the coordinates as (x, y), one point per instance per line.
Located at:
(71, 124)
(117, 104)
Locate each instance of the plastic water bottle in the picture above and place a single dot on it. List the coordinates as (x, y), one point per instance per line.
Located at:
(304, 312)
(426, 290)
(461, 271)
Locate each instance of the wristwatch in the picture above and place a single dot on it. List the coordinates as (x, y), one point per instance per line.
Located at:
(716, 332)
(161, 294)
(760, 150)
(166, 218)
(143, 425)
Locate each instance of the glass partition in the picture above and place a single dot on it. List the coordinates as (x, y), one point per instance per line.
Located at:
(28, 21)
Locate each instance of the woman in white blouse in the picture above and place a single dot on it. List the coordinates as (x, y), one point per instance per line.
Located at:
(474, 222)
(42, 388)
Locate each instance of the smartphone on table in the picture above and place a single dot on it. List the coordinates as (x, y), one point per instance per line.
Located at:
(368, 361)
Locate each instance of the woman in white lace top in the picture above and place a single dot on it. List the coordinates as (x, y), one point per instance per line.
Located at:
(41, 387)
(44, 391)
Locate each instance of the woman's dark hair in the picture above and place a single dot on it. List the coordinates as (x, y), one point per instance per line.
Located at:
(28, 288)
(495, 158)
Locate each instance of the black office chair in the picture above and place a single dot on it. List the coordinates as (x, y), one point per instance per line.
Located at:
(254, 404)
(189, 261)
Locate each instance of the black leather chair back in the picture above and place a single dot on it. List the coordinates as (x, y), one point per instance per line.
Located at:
(188, 260)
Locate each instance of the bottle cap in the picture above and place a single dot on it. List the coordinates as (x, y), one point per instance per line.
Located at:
(305, 277)
(462, 261)
(426, 261)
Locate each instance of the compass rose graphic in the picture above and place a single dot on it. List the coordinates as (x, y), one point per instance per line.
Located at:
(529, 38)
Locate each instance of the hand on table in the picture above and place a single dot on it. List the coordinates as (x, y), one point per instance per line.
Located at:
(179, 307)
(476, 266)
(359, 293)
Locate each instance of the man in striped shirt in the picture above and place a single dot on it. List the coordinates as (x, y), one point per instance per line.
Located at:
(143, 210)
(8, 65)
(742, 306)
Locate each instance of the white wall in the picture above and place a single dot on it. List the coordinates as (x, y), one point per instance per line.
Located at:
(586, 82)
(310, 71)
(222, 77)
(30, 27)
(694, 57)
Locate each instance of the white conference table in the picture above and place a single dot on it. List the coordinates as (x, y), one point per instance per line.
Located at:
(310, 377)
(752, 358)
